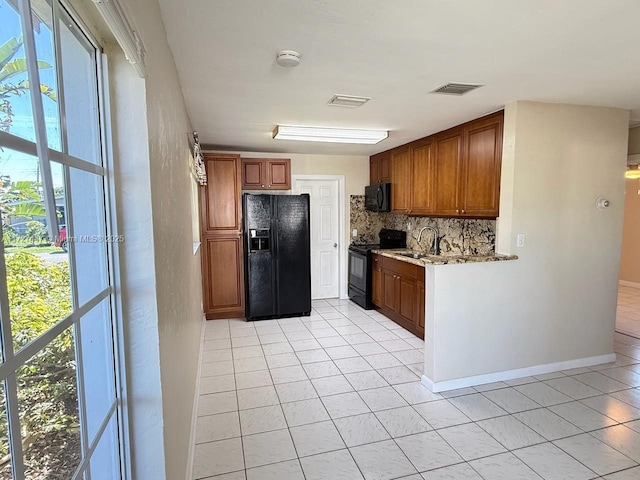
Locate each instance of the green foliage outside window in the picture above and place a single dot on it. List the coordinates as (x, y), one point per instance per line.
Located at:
(40, 296)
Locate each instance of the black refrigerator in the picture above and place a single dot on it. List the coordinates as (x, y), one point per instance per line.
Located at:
(277, 256)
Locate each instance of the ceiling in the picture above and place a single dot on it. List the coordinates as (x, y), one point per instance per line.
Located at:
(571, 51)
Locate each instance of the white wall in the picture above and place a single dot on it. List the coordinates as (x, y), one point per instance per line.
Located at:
(161, 275)
(137, 293)
(557, 303)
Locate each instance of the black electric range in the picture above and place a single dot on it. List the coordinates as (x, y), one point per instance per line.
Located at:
(360, 265)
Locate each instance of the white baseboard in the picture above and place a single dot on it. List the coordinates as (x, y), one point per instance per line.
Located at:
(513, 374)
(194, 413)
(626, 283)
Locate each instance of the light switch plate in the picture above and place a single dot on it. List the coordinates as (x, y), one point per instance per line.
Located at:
(354, 233)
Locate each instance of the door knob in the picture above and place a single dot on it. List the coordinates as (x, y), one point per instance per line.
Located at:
(335, 245)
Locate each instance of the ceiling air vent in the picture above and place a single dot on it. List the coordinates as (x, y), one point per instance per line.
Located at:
(347, 101)
(455, 88)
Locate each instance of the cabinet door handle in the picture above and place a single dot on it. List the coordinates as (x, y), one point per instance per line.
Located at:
(269, 186)
(458, 211)
(262, 186)
(463, 211)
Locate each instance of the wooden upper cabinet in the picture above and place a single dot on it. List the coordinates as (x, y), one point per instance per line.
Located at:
(266, 174)
(220, 199)
(380, 168)
(455, 173)
(480, 183)
(253, 173)
(446, 180)
(374, 169)
(421, 178)
(385, 167)
(278, 173)
(401, 180)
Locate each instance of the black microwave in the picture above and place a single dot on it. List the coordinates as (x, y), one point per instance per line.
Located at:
(377, 197)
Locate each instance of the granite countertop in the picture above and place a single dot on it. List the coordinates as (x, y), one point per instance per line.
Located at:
(442, 259)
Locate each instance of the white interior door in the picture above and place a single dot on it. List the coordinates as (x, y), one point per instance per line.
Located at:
(325, 242)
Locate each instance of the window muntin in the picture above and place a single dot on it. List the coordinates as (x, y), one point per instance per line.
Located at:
(42, 17)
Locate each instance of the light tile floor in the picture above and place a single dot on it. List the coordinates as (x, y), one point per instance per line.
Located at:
(337, 395)
(628, 317)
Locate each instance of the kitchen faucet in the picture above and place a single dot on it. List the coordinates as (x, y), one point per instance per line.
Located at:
(435, 244)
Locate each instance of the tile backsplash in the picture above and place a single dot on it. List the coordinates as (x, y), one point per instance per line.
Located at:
(457, 235)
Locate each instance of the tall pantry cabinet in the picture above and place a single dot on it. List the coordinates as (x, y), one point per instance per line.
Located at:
(221, 225)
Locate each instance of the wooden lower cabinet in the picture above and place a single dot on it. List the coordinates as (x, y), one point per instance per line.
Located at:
(421, 305)
(223, 291)
(390, 290)
(398, 292)
(376, 282)
(407, 299)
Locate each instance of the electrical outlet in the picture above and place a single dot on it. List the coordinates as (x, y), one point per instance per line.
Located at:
(520, 240)
(408, 226)
(354, 233)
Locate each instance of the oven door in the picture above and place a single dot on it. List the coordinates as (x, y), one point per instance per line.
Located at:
(358, 270)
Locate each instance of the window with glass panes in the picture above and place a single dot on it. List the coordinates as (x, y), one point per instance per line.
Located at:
(60, 411)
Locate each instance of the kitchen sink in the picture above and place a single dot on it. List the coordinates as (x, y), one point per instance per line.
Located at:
(413, 255)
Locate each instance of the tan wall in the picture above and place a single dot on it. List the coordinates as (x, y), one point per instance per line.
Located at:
(630, 261)
(557, 302)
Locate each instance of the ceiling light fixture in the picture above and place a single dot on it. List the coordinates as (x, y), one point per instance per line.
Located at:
(633, 172)
(334, 135)
(288, 58)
